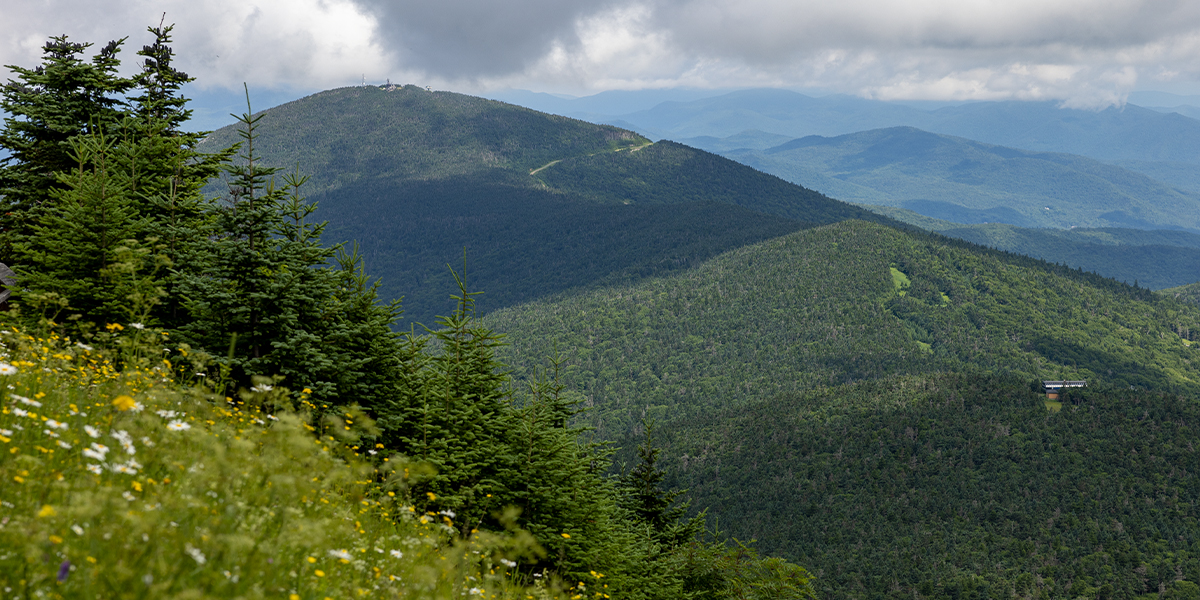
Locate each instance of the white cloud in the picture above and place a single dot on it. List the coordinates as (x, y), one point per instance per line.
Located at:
(270, 43)
(1081, 52)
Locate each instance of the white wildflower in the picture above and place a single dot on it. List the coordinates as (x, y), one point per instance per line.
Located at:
(7, 369)
(92, 431)
(26, 401)
(273, 417)
(476, 591)
(96, 451)
(64, 445)
(128, 496)
(52, 424)
(448, 513)
(6, 432)
(50, 433)
(137, 325)
(77, 529)
(147, 442)
(84, 346)
(126, 441)
(512, 564)
(342, 554)
(19, 412)
(195, 553)
(97, 469)
(397, 554)
(166, 414)
(262, 388)
(178, 426)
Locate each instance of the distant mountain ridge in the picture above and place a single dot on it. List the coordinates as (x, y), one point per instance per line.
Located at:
(965, 181)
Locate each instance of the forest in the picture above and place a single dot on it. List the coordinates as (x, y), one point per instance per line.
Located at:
(223, 354)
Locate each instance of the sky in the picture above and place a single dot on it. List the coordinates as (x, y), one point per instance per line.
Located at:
(1081, 53)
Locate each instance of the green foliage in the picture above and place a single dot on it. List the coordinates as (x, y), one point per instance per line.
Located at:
(818, 308)
(954, 485)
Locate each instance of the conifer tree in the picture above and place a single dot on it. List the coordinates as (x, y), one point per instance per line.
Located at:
(47, 105)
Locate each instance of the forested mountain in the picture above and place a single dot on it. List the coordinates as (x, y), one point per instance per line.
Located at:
(957, 486)
(965, 181)
(844, 303)
(867, 401)
(1155, 259)
(539, 203)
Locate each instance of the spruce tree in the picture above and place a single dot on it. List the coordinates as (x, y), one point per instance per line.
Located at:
(48, 105)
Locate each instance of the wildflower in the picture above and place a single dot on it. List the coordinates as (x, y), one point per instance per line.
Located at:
(193, 552)
(137, 326)
(123, 403)
(397, 554)
(63, 570)
(166, 414)
(508, 563)
(26, 401)
(47, 511)
(84, 346)
(476, 591)
(566, 535)
(5, 432)
(273, 417)
(126, 441)
(340, 554)
(448, 513)
(262, 388)
(96, 451)
(319, 573)
(19, 412)
(64, 445)
(178, 426)
(97, 469)
(92, 431)
(52, 424)
(7, 369)
(128, 496)
(77, 529)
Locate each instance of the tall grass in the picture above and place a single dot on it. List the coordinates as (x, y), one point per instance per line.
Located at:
(117, 480)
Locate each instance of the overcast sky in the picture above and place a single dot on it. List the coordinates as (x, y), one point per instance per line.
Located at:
(1085, 53)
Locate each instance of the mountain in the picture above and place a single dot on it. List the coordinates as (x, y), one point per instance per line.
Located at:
(1126, 133)
(865, 401)
(842, 303)
(955, 486)
(964, 181)
(538, 203)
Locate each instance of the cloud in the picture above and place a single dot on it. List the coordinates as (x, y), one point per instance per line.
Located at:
(1081, 52)
(309, 44)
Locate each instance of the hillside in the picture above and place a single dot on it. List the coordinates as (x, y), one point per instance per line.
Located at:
(540, 203)
(842, 303)
(965, 181)
(1155, 259)
(956, 486)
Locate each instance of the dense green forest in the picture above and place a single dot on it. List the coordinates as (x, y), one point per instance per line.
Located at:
(821, 307)
(1155, 259)
(957, 486)
(144, 306)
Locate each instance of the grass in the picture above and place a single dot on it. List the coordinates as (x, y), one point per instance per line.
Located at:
(121, 481)
(900, 281)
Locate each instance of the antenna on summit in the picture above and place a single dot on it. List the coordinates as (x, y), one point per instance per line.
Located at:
(364, 84)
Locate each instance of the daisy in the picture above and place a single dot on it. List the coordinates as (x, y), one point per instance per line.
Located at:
(92, 431)
(178, 426)
(262, 388)
(7, 369)
(26, 401)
